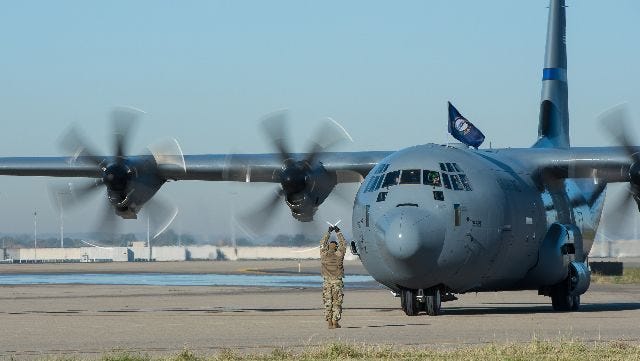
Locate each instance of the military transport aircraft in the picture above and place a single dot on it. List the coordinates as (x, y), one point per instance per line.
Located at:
(429, 221)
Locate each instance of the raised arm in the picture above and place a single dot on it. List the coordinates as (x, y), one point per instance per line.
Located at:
(324, 242)
(342, 243)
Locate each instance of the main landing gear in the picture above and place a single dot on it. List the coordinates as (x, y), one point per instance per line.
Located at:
(415, 301)
(563, 301)
(565, 296)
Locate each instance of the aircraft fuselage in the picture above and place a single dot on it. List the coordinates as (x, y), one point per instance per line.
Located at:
(468, 220)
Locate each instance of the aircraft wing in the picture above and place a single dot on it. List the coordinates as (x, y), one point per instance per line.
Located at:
(348, 166)
(606, 164)
(47, 167)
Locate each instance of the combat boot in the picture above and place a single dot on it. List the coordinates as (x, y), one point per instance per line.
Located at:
(336, 324)
(331, 325)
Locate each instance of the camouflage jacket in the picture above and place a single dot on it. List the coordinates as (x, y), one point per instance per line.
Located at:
(332, 262)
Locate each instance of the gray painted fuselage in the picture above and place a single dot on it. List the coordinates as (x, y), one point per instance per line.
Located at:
(411, 239)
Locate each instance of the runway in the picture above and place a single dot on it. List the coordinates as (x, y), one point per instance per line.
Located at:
(47, 320)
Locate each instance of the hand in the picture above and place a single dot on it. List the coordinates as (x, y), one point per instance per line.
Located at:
(331, 228)
(335, 228)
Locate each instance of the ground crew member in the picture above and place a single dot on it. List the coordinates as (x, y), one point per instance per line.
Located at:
(332, 260)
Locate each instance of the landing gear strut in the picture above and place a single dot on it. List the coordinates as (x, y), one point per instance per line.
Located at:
(428, 300)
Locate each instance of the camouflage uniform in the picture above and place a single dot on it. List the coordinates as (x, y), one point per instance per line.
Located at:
(332, 272)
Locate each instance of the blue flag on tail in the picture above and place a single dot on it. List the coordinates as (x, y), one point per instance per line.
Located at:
(463, 130)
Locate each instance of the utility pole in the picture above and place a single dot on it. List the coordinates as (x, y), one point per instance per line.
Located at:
(61, 223)
(232, 223)
(148, 238)
(35, 236)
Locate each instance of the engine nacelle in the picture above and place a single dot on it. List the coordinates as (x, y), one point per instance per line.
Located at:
(318, 184)
(579, 278)
(130, 184)
(557, 252)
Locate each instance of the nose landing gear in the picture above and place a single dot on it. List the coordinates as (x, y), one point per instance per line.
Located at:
(414, 301)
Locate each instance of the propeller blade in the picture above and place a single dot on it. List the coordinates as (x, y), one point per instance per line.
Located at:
(275, 127)
(72, 194)
(326, 137)
(619, 212)
(161, 214)
(123, 121)
(168, 152)
(258, 219)
(108, 225)
(74, 144)
(616, 120)
(344, 193)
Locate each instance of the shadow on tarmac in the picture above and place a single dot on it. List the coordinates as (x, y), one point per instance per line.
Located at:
(531, 309)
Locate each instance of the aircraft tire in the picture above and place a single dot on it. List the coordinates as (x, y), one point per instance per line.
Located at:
(562, 301)
(409, 303)
(576, 303)
(433, 302)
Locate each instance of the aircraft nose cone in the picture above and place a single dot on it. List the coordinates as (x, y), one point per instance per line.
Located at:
(411, 233)
(402, 236)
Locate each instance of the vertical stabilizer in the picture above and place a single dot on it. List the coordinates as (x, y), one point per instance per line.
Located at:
(553, 126)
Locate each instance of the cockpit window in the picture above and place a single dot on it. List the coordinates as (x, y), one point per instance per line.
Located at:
(457, 185)
(442, 167)
(431, 178)
(458, 169)
(410, 176)
(379, 182)
(391, 179)
(381, 168)
(450, 167)
(445, 179)
(372, 183)
(465, 182)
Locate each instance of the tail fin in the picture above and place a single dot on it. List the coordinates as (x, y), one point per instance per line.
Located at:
(553, 126)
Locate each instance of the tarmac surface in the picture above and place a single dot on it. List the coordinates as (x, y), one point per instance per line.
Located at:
(38, 321)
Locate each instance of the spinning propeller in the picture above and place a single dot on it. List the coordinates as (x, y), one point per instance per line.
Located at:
(617, 120)
(304, 182)
(130, 181)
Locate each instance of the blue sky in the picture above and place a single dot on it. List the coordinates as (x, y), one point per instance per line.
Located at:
(206, 71)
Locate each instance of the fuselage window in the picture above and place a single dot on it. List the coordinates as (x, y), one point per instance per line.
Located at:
(391, 179)
(438, 195)
(465, 182)
(410, 176)
(442, 167)
(457, 185)
(458, 169)
(450, 167)
(431, 178)
(382, 196)
(445, 180)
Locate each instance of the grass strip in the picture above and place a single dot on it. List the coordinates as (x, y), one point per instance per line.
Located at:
(629, 276)
(535, 350)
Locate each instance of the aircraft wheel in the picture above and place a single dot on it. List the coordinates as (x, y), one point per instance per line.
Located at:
(576, 303)
(562, 301)
(433, 302)
(409, 303)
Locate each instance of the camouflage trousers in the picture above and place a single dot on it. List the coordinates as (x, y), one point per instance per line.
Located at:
(332, 298)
